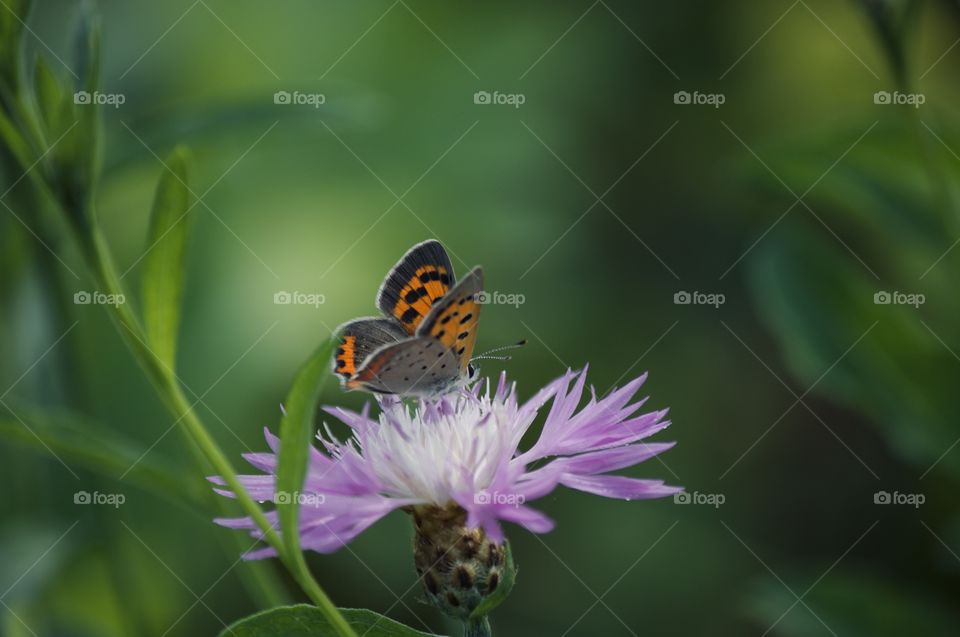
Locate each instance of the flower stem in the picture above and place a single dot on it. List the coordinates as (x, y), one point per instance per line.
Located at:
(479, 627)
(169, 389)
(97, 255)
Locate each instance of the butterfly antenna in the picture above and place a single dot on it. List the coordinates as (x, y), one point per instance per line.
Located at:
(487, 353)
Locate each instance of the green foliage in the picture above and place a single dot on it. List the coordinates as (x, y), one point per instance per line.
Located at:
(163, 266)
(13, 13)
(851, 603)
(296, 434)
(307, 621)
(82, 443)
(50, 99)
(78, 153)
(875, 204)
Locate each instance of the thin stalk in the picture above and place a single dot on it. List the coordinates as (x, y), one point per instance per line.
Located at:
(98, 257)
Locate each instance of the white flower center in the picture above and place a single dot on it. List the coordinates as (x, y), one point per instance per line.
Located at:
(433, 457)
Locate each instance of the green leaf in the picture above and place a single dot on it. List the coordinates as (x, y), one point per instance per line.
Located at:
(13, 15)
(49, 95)
(296, 432)
(87, 45)
(163, 267)
(78, 154)
(507, 580)
(852, 602)
(82, 443)
(304, 620)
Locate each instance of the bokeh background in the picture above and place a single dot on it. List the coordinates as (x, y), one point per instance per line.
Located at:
(796, 401)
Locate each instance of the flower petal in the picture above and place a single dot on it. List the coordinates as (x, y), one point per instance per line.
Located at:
(620, 487)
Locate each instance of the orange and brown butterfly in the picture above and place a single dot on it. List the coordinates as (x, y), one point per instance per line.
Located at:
(423, 344)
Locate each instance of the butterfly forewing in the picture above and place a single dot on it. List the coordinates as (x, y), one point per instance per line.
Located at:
(415, 283)
(453, 321)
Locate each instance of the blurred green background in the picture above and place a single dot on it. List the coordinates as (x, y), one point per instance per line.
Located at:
(798, 399)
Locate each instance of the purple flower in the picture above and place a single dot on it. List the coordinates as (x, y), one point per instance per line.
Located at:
(463, 450)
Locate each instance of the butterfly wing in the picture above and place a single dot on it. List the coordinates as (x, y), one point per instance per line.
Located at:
(418, 365)
(453, 320)
(415, 283)
(359, 338)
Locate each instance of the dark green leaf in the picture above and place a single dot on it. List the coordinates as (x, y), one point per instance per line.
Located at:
(851, 603)
(49, 95)
(13, 15)
(88, 49)
(163, 267)
(296, 432)
(304, 620)
(81, 443)
(78, 154)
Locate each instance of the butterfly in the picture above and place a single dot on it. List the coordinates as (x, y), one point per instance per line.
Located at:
(423, 345)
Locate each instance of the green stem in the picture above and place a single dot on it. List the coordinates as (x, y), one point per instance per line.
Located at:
(479, 627)
(169, 389)
(97, 254)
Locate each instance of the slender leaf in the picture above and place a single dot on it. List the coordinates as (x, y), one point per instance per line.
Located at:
(81, 443)
(304, 620)
(13, 15)
(296, 431)
(163, 267)
(49, 95)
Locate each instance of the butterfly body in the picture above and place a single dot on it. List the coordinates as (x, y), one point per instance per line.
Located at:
(423, 344)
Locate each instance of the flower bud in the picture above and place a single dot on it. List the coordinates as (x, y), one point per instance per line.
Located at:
(465, 574)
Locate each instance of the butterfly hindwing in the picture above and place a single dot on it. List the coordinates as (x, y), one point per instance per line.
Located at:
(453, 321)
(359, 338)
(417, 365)
(415, 283)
